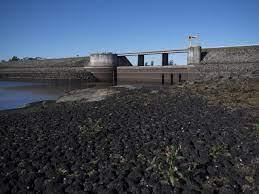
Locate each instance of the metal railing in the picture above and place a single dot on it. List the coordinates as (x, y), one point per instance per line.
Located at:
(153, 52)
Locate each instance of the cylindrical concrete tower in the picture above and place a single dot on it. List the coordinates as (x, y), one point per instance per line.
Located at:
(103, 60)
(103, 66)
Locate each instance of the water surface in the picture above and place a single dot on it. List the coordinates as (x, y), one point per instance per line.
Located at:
(15, 94)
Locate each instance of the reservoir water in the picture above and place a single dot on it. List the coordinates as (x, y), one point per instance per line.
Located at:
(15, 94)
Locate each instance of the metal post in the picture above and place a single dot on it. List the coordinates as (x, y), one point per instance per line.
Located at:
(114, 76)
(180, 77)
(163, 79)
(172, 79)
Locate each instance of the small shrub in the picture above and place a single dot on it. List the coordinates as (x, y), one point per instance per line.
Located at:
(91, 128)
(166, 166)
(14, 58)
(217, 150)
(173, 173)
(62, 171)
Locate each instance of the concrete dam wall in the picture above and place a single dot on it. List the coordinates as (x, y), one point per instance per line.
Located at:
(229, 62)
(156, 74)
(203, 64)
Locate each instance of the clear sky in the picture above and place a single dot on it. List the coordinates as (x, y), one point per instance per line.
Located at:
(63, 28)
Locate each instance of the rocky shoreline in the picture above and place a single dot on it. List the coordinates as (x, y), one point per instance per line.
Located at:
(141, 140)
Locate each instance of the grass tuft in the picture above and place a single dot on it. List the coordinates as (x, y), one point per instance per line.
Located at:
(166, 165)
(217, 150)
(91, 128)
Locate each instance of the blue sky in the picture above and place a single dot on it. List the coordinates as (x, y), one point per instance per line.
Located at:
(64, 28)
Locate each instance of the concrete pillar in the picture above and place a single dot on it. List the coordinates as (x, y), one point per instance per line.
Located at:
(164, 59)
(194, 55)
(141, 60)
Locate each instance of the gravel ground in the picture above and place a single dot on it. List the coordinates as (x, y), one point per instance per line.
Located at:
(146, 140)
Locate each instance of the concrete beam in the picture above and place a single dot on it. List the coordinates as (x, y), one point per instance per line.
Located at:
(164, 59)
(154, 52)
(141, 60)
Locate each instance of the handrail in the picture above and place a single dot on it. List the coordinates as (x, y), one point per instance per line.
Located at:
(154, 52)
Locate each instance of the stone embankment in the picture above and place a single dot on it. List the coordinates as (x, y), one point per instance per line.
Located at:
(67, 68)
(229, 62)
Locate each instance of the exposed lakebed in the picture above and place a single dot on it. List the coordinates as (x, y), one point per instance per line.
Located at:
(135, 141)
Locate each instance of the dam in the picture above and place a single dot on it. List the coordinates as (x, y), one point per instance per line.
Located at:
(202, 64)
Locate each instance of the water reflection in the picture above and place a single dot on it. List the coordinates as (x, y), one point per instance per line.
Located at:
(14, 94)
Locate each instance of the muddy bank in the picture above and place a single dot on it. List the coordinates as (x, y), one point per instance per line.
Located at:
(89, 95)
(94, 94)
(144, 140)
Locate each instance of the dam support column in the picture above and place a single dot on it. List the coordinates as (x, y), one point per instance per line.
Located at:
(194, 55)
(141, 60)
(164, 59)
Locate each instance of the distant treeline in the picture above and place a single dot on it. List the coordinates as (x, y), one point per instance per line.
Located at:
(15, 58)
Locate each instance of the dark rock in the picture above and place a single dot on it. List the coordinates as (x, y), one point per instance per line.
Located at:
(122, 145)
